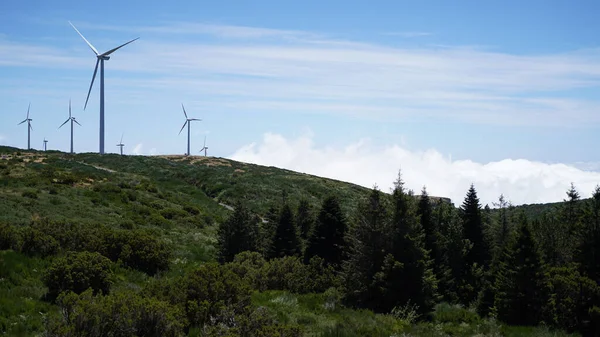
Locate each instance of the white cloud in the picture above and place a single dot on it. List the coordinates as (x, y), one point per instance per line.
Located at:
(408, 34)
(137, 150)
(521, 181)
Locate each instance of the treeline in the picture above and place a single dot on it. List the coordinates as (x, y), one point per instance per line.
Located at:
(399, 252)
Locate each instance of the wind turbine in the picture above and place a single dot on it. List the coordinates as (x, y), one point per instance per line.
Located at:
(188, 121)
(121, 144)
(100, 58)
(29, 128)
(45, 142)
(72, 119)
(204, 148)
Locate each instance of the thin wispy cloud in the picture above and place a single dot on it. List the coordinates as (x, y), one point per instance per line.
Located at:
(521, 181)
(408, 34)
(137, 150)
(262, 68)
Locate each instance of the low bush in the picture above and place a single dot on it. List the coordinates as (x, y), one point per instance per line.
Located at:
(77, 272)
(122, 314)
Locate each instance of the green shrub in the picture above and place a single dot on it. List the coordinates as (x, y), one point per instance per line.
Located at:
(138, 249)
(8, 236)
(123, 314)
(78, 272)
(212, 291)
(32, 241)
(173, 213)
(29, 194)
(191, 209)
(454, 313)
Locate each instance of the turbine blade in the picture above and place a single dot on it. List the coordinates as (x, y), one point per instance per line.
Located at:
(186, 117)
(28, 110)
(195, 119)
(121, 142)
(22, 122)
(31, 127)
(69, 108)
(64, 123)
(117, 48)
(204, 141)
(84, 39)
(182, 127)
(91, 84)
(74, 120)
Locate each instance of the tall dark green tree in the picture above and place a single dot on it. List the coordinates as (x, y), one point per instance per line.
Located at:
(408, 278)
(328, 239)
(286, 241)
(367, 243)
(588, 252)
(425, 213)
(521, 285)
(470, 212)
(304, 219)
(237, 234)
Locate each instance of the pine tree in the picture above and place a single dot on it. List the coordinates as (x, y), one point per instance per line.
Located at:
(304, 219)
(588, 253)
(474, 231)
(425, 213)
(520, 284)
(237, 234)
(407, 276)
(477, 257)
(367, 250)
(328, 239)
(286, 241)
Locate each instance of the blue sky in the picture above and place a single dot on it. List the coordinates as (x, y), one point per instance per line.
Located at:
(477, 82)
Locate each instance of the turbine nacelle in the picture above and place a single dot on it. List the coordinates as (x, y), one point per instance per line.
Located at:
(105, 58)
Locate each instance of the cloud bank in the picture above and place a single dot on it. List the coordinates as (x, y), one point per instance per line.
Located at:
(521, 181)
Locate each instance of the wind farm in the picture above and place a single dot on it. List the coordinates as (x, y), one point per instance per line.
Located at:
(72, 120)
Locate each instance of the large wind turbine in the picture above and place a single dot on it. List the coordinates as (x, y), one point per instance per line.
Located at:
(29, 128)
(45, 142)
(72, 119)
(121, 144)
(188, 121)
(204, 148)
(100, 58)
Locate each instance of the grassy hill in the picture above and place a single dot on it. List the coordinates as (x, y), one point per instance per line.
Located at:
(181, 200)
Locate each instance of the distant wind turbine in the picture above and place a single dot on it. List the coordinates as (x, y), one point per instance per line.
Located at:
(29, 128)
(100, 58)
(188, 121)
(73, 120)
(204, 148)
(121, 144)
(45, 142)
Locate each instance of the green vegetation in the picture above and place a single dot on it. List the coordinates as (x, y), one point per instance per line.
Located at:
(191, 246)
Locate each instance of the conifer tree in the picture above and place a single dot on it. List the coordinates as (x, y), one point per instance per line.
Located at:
(367, 250)
(408, 277)
(304, 219)
(285, 241)
(425, 213)
(588, 253)
(237, 234)
(328, 239)
(520, 284)
(473, 228)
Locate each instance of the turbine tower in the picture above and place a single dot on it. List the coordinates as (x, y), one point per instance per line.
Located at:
(72, 119)
(121, 144)
(204, 148)
(29, 128)
(100, 58)
(188, 121)
(45, 142)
